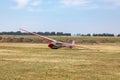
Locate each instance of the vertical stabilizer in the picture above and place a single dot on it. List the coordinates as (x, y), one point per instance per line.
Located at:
(73, 42)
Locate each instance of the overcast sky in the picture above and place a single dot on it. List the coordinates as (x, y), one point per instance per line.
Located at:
(74, 16)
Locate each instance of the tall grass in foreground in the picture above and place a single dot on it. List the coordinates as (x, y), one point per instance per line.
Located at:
(23, 61)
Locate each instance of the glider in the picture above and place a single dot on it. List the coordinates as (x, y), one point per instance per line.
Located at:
(54, 44)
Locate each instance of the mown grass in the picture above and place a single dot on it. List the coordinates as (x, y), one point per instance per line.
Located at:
(25, 61)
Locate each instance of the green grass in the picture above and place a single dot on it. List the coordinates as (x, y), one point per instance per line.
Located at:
(25, 61)
(78, 40)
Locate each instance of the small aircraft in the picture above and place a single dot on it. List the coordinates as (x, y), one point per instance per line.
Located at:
(54, 44)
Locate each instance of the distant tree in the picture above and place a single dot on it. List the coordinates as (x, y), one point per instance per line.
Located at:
(67, 34)
(88, 34)
(85, 34)
(18, 33)
(47, 33)
(40, 33)
(59, 33)
(118, 35)
(104, 34)
(53, 33)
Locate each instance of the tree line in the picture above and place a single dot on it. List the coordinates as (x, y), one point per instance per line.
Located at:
(41, 33)
(58, 34)
(103, 34)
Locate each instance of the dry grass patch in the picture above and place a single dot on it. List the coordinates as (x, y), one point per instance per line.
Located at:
(23, 61)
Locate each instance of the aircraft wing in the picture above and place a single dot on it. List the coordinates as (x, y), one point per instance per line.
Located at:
(76, 46)
(46, 38)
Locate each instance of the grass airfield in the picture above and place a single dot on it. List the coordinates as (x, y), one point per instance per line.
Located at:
(26, 61)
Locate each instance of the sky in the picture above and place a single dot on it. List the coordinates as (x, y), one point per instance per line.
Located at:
(73, 16)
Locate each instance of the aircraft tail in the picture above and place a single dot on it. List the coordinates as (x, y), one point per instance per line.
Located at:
(73, 42)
